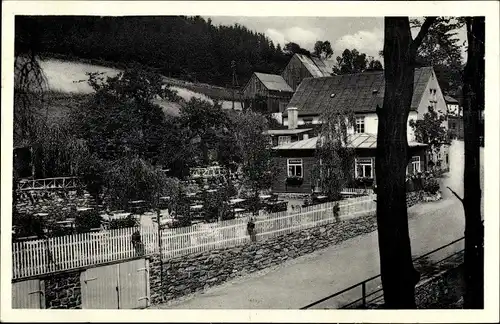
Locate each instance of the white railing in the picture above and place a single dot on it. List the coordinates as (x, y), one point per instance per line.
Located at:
(49, 183)
(206, 172)
(41, 256)
(360, 191)
(73, 251)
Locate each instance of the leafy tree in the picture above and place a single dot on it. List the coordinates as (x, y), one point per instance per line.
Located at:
(253, 146)
(334, 158)
(430, 130)
(206, 126)
(441, 49)
(374, 64)
(352, 61)
(399, 276)
(121, 137)
(129, 179)
(294, 48)
(323, 49)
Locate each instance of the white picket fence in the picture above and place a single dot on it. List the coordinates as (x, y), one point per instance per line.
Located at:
(73, 251)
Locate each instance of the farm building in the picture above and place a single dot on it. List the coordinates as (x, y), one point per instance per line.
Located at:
(301, 66)
(272, 92)
(267, 93)
(363, 93)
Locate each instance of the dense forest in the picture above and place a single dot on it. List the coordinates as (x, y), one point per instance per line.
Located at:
(189, 48)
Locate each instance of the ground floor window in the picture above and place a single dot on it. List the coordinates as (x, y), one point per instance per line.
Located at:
(295, 167)
(364, 168)
(415, 165)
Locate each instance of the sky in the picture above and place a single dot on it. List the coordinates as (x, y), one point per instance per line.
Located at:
(366, 34)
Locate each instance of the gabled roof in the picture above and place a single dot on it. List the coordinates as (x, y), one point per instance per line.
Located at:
(273, 82)
(356, 141)
(450, 100)
(316, 66)
(360, 91)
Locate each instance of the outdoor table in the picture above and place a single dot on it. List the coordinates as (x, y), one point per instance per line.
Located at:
(212, 190)
(237, 200)
(164, 198)
(321, 197)
(276, 202)
(42, 214)
(239, 210)
(136, 202)
(65, 223)
(81, 209)
(120, 215)
(195, 207)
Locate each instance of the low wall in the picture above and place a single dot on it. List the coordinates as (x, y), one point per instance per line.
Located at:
(63, 291)
(442, 291)
(192, 273)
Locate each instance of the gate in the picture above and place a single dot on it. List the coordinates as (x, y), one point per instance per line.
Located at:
(28, 294)
(118, 286)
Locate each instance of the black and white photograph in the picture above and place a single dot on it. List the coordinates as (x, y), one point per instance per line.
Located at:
(321, 157)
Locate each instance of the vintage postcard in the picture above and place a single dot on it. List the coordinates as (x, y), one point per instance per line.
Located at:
(242, 161)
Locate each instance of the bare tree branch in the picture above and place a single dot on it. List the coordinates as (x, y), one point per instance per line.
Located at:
(421, 34)
(456, 195)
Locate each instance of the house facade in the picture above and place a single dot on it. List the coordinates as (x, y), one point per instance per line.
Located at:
(455, 118)
(298, 159)
(361, 93)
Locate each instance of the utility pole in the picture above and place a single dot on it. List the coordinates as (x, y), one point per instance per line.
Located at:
(235, 79)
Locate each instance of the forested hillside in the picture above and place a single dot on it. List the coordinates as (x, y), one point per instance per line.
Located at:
(189, 48)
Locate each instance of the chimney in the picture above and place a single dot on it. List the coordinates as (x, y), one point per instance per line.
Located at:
(292, 117)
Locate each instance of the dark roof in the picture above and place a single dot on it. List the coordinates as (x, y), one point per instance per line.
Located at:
(273, 82)
(451, 100)
(361, 91)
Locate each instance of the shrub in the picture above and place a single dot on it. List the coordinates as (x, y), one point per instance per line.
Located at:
(129, 221)
(431, 185)
(87, 220)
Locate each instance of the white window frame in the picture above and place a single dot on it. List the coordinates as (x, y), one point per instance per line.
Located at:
(295, 163)
(281, 140)
(371, 164)
(415, 164)
(360, 122)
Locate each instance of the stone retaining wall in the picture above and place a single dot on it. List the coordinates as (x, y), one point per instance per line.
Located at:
(441, 291)
(63, 291)
(192, 273)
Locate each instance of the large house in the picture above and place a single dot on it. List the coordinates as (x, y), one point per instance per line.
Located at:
(363, 93)
(273, 91)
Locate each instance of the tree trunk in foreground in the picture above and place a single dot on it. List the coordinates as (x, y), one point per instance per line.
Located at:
(399, 277)
(473, 91)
